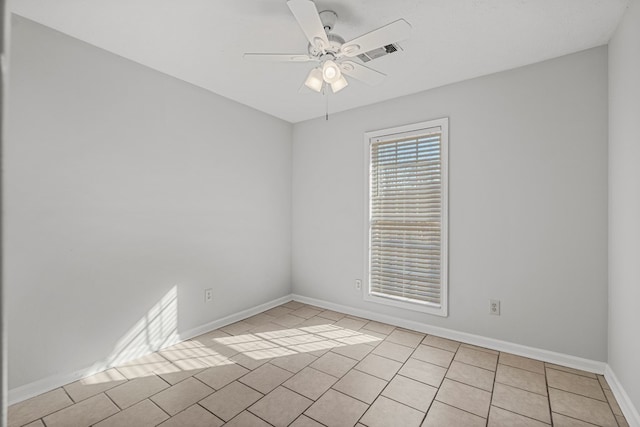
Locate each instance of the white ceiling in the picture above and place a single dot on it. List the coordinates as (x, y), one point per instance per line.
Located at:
(202, 41)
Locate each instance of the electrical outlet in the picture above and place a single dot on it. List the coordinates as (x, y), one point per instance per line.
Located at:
(494, 307)
(208, 295)
(358, 284)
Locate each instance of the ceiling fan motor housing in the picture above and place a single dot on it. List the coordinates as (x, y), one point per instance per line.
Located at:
(335, 42)
(328, 18)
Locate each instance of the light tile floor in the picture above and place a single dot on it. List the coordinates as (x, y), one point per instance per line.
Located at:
(300, 365)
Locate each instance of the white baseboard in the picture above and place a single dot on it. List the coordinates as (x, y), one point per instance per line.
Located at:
(236, 317)
(38, 387)
(492, 343)
(624, 401)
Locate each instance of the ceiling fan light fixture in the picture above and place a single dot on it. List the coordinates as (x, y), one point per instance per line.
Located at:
(314, 80)
(339, 84)
(330, 72)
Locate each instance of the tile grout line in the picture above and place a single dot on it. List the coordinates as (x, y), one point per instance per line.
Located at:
(493, 389)
(468, 385)
(463, 410)
(615, 416)
(583, 395)
(310, 417)
(201, 382)
(474, 366)
(523, 369)
(521, 415)
(579, 420)
(404, 404)
(572, 371)
(118, 407)
(240, 413)
(524, 389)
(300, 416)
(256, 415)
(198, 404)
(69, 396)
(163, 380)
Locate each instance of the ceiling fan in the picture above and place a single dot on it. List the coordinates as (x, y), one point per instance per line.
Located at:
(331, 53)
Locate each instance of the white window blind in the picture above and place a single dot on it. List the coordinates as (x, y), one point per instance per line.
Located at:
(407, 204)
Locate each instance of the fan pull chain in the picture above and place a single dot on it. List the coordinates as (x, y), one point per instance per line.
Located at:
(326, 111)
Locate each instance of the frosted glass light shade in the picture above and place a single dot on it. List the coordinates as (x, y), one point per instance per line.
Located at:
(339, 84)
(314, 80)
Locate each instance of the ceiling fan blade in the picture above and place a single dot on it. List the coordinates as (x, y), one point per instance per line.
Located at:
(390, 33)
(362, 73)
(306, 14)
(279, 57)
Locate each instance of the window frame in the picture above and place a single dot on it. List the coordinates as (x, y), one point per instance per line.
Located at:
(441, 309)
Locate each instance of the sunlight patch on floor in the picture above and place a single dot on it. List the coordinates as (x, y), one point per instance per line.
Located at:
(286, 342)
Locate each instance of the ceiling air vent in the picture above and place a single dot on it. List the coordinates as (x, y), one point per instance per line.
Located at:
(381, 51)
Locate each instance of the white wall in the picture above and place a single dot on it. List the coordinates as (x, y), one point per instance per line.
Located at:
(121, 183)
(528, 203)
(624, 203)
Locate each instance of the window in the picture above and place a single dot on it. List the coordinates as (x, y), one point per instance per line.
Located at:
(407, 216)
